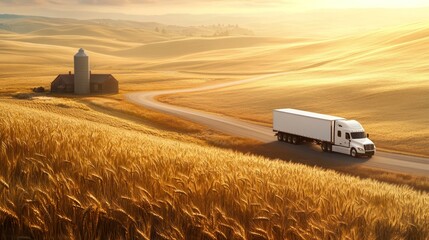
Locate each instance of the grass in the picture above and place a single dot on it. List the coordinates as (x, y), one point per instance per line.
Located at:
(420, 183)
(189, 131)
(70, 177)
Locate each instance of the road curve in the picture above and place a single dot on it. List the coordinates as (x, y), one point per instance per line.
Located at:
(310, 155)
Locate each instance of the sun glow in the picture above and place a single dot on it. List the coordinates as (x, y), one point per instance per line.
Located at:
(201, 7)
(373, 4)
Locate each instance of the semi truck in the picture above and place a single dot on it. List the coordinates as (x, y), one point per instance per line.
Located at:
(334, 134)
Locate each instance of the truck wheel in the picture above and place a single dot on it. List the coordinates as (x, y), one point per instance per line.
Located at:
(295, 140)
(284, 137)
(329, 147)
(323, 146)
(289, 138)
(280, 136)
(353, 153)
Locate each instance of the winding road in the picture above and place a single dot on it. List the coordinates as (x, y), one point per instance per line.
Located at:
(310, 154)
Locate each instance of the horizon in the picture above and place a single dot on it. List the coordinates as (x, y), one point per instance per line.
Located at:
(263, 21)
(139, 10)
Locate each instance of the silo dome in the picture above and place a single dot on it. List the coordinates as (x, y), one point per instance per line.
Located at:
(81, 73)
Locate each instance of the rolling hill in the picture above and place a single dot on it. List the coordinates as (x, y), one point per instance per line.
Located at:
(373, 68)
(70, 169)
(379, 78)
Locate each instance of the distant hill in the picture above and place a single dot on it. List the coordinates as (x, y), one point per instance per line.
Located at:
(117, 29)
(35, 46)
(10, 16)
(182, 47)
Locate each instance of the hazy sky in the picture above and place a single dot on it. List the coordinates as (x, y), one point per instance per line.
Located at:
(154, 7)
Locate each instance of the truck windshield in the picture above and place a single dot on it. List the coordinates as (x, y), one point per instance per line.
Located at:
(357, 135)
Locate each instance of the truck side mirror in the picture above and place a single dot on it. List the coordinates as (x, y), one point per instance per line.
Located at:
(367, 135)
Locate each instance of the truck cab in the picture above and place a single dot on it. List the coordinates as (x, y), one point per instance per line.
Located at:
(350, 138)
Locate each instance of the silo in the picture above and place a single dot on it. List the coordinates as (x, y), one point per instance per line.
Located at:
(81, 73)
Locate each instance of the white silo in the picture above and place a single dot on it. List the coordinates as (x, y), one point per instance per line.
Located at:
(81, 73)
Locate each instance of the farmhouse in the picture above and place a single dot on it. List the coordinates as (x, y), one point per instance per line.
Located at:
(83, 81)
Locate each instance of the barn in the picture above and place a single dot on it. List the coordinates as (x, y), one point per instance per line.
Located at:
(98, 84)
(83, 81)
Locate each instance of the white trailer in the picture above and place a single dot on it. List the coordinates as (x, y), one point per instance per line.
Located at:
(334, 134)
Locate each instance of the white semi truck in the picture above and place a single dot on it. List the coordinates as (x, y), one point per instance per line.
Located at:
(334, 134)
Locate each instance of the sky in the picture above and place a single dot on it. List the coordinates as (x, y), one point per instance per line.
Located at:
(159, 7)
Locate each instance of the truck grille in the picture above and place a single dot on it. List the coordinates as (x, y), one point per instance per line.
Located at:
(369, 147)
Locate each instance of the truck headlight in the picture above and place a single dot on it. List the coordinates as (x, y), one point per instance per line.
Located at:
(361, 149)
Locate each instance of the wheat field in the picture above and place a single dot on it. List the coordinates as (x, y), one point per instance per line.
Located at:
(71, 170)
(66, 177)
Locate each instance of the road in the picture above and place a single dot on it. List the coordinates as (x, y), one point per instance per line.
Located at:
(310, 154)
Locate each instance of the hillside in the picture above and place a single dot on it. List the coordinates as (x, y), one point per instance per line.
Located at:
(139, 184)
(367, 71)
(360, 70)
(33, 50)
(184, 47)
(379, 78)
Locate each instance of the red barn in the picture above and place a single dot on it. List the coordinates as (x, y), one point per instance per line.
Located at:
(99, 84)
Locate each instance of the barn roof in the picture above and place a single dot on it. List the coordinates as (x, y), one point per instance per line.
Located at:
(95, 78)
(99, 78)
(67, 78)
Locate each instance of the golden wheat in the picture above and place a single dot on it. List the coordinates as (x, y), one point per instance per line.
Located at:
(67, 177)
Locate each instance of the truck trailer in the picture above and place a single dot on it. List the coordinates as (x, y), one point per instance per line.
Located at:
(334, 134)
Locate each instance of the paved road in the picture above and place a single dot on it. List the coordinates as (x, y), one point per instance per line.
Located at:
(310, 154)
